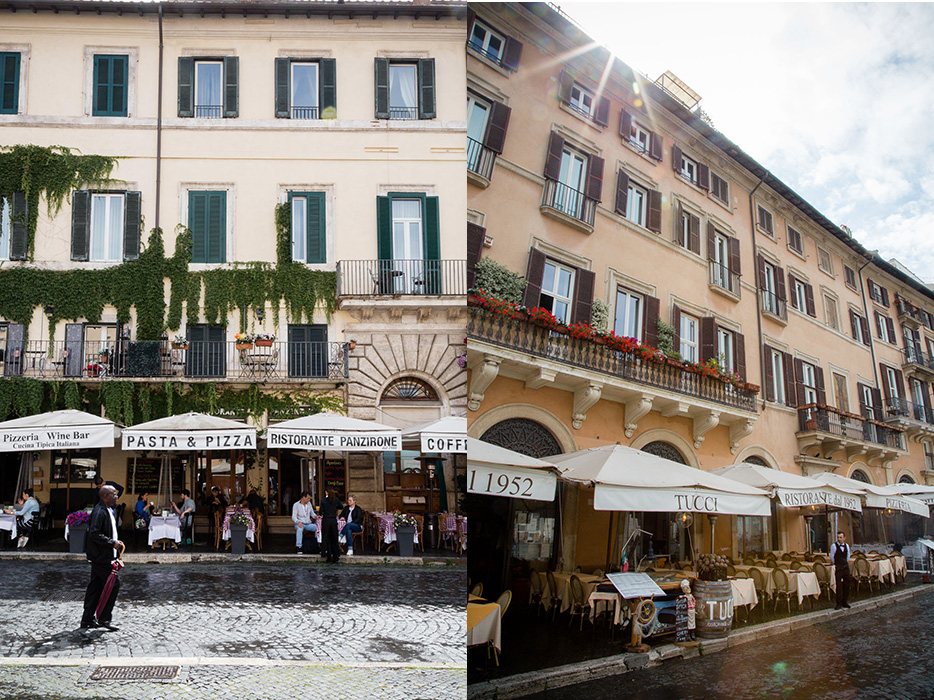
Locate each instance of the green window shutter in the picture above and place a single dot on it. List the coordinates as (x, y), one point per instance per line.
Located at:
(110, 86)
(9, 82)
(186, 85)
(231, 93)
(19, 236)
(382, 88)
(327, 88)
(80, 224)
(132, 225)
(317, 238)
(432, 246)
(426, 88)
(197, 222)
(384, 228)
(283, 87)
(101, 81)
(217, 227)
(119, 85)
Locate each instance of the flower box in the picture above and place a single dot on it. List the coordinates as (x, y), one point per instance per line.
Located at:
(244, 346)
(263, 342)
(179, 346)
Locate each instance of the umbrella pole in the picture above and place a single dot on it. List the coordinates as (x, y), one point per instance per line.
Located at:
(713, 529)
(67, 481)
(133, 485)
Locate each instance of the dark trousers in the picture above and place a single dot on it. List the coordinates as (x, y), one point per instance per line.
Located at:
(99, 574)
(842, 574)
(329, 546)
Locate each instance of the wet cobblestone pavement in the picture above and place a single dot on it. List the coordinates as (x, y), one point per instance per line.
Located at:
(881, 653)
(318, 626)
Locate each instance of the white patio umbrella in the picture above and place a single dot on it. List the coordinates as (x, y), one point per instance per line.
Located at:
(448, 434)
(495, 471)
(877, 496)
(792, 490)
(922, 492)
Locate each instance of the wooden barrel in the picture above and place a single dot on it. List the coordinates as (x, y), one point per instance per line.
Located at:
(714, 608)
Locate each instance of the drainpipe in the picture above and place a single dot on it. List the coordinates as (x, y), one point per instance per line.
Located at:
(755, 260)
(862, 295)
(159, 123)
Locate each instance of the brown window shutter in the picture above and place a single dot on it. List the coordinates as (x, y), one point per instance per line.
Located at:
(809, 300)
(926, 395)
(819, 378)
(564, 86)
(708, 338)
(884, 378)
(679, 226)
(760, 271)
(860, 388)
(675, 158)
(703, 176)
(711, 236)
(656, 146)
(792, 292)
(594, 188)
(867, 338)
(877, 400)
(891, 328)
(676, 322)
(602, 114)
(581, 311)
(769, 374)
(788, 367)
(854, 324)
(885, 296)
(733, 244)
(900, 379)
(694, 239)
(780, 284)
(533, 278)
(622, 192)
(799, 382)
(650, 321)
(625, 125)
(475, 236)
(553, 159)
(495, 137)
(877, 316)
(512, 52)
(654, 220)
(739, 354)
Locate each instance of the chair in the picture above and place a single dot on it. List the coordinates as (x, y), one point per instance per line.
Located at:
(361, 535)
(553, 599)
(503, 602)
(823, 578)
(578, 604)
(749, 561)
(218, 524)
(742, 574)
(477, 589)
(783, 565)
(537, 590)
(758, 580)
(873, 551)
(782, 587)
(687, 567)
(730, 570)
(419, 525)
(598, 572)
(260, 520)
(786, 557)
(863, 573)
(447, 528)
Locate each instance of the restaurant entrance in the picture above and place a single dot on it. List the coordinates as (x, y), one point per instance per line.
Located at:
(225, 469)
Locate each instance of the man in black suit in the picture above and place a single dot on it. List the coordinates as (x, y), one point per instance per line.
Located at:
(330, 507)
(102, 547)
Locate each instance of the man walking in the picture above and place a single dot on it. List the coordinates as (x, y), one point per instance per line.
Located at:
(102, 548)
(840, 555)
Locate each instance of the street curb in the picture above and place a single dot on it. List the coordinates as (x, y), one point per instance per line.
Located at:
(218, 661)
(540, 681)
(178, 557)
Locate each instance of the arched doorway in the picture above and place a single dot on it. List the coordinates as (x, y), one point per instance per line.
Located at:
(668, 538)
(868, 528)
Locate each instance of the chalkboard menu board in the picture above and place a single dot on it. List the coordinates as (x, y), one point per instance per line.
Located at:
(335, 480)
(681, 620)
(147, 475)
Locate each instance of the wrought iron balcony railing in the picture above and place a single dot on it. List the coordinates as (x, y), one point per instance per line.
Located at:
(569, 201)
(221, 360)
(401, 277)
(403, 113)
(847, 425)
(494, 56)
(908, 311)
(480, 159)
(304, 112)
(722, 276)
(914, 356)
(517, 334)
(770, 303)
(902, 408)
(209, 111)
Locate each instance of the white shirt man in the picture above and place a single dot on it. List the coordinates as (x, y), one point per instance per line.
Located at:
(302, 514)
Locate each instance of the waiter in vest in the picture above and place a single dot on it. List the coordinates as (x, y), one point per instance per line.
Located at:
(840, 556)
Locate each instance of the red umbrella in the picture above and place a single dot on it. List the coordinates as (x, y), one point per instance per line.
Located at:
(108, 587)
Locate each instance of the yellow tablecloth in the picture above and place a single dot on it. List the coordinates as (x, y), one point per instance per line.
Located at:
(484, 624)
(563, 582)
(605, 599)
(744, 592)
(471, 598)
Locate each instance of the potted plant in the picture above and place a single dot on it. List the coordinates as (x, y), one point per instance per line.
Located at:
(244, 341)
(77, 530)
(405, 533)
(239, 522)
(180, 342)
(714, 597)
(104, 353)
(264, 340)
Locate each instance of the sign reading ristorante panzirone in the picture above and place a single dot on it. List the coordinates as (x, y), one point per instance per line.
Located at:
(244, 439)
(818, 498)
(16, 440)
(341, 442)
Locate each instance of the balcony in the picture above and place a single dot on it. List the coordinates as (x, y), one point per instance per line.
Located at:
(722, 279)
(568, 205)
(918, 363)
(280, 362)
(773, 306)
(480, 160)
(209, 111)
(517, 348)
(917, 420)
(833, 430)
(419, 278)
(304, 112)
(908, 314)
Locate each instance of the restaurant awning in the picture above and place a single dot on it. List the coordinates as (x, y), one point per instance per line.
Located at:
(792, 490)
(56, 430)
(188, 432)
(626, 479)
(448, 434)
(877, 496)
(331, 431)
(496, 471)
(922, 492)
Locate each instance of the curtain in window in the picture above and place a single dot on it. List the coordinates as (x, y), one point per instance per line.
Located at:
(402, 86)
(209, 87)
(299, 229)
(304, 85)
(5, 219)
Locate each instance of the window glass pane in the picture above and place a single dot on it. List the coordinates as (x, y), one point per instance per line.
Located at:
(402, 91)
(564, 282)
(548, 279)
(477, 36)
(305, 85)
(5, 214)
(476, 120)
(299, 228)
(406, 209)
(208, 88)
(494, 46)
(115, 226)
(98, 226)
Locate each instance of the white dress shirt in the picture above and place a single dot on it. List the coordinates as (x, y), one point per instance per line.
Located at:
(301, 513)
(113, 523)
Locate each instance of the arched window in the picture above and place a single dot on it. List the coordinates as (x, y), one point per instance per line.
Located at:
(666, 450)
(756, 459)
(524, 436)
(860, 475)
(906, 479)
(410, 389)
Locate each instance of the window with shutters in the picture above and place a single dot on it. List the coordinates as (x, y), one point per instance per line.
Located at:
(688, 169)
(719, 188)
(770, 300)
(795, 242)
(725, 351)
(209, 89)
(799, 295)
(688, 235)
(689, 330)
(9, 81)
(640, 138)
(637, 202)
(408, 245)
(107, 225)
(304, 90)
(487, 42)
(919, 399)
(849, 277)
(930, 346)
(877, 293)
(830, 312)
(809, 382)
(764, 220)
(569, 195)
(628, 321)
(478, 115)
(487, 121)
(859, 328)
(721, 262)
(891, 377)
(309, 240)
(581, 100)
(6, 218)
(111, 78)
(403, 91)
(558, 290)
(885, 328)
(928, 454)
(824, 261)
(778, 376)
(840, 392)
(207, 219)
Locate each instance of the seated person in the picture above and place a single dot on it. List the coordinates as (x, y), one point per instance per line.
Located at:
(186, 514)
(26, 515)
(256, 502)
(354, 517)
(142, 510)
(303, 517)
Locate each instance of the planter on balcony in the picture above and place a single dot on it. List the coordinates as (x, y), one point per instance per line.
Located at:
(810, 424)
(749, 386)
(263, 343)
(179, 346)
(244, 346)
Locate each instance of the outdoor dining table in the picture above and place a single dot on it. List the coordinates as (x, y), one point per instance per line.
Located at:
(484, 622)
(606, 598)
(804, 584)
(563, 583)
(744, 592)
(168, 528)
(387, 528)
(882, 568)
(8, 522)
(341, 522)
(225, 528)
(766, 575)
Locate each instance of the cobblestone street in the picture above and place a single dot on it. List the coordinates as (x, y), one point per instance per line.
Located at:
(239, 630)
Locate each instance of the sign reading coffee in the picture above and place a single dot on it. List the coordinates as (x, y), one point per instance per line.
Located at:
(444, 443)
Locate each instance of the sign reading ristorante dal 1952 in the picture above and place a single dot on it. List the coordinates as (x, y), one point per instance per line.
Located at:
(81, 437)
(820, 497)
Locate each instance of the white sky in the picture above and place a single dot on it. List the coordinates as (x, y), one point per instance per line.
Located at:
(837, 100)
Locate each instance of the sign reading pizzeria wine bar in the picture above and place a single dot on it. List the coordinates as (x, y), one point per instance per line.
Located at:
(79, 437)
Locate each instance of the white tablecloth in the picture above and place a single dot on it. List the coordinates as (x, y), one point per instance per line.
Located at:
(164, 528)
(341, 522)
(484, 624)
(877, 567)
(744, 592)
(804, 583)
(8, 522)
(250, 534)
(604, 599)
